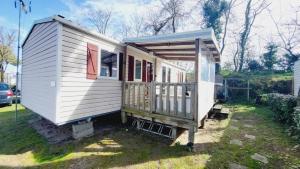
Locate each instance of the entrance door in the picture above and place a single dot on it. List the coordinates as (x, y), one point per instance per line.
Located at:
(149, 71)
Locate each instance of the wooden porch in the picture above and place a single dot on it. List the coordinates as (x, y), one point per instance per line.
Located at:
(175, 104)
(169, 103)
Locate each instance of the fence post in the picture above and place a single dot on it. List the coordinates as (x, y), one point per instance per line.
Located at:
(248, 90)
(226, 90)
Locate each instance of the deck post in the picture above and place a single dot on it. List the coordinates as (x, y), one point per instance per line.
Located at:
(123, 117)
(226, 89)
(168, 99)
(197, 43)
(183, 100)
(175, 100)
(123, 114)
(248, 90)
(161, 108)
(123, 78)
(191, 138)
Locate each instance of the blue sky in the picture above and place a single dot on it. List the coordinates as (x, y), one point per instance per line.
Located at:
(76, 10)
(40, 9)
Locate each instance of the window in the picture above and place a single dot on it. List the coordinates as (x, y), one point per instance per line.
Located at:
(204, 69)
(169, 75)
(163, 74)
(138, 69)
(109, 64)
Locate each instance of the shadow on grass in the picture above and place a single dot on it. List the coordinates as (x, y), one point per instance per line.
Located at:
(121, 148)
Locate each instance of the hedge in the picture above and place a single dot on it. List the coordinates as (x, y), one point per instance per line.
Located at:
(284, 110)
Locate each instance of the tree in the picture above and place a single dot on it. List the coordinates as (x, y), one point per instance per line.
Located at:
(100, 19)
(156, 21)
(174, 9)
(253, 65)
(270, 57)
(213, 10)
(251, 13)
(288, 61)
(289, 35)
(7, 39)
(227, 16)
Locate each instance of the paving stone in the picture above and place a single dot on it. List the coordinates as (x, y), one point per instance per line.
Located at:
(236, 166)
(248, 125)
(260, 158)
(234, 128)
(296, 147)
(236, 142)
(250, 136)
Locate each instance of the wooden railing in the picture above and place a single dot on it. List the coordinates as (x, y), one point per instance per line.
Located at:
(171, 99)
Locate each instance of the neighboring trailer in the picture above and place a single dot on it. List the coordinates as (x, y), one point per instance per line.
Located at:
(70, 74)
(297, 77)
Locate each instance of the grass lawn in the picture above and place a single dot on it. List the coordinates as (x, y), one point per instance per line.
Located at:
(22, 147)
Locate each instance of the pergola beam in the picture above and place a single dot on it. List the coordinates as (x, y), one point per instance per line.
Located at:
(174, 50)
(168, 44)
(176, 54)
(180, 58)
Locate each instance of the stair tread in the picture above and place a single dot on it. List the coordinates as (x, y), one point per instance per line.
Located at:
(218, 107)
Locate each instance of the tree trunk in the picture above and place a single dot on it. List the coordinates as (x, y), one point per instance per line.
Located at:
(2, 76)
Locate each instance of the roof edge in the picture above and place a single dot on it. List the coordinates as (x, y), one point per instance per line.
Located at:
(71, 24)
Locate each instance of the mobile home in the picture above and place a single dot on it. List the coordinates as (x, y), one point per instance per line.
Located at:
(71, 74)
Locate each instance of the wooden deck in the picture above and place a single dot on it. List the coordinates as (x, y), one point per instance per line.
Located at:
(169, 103)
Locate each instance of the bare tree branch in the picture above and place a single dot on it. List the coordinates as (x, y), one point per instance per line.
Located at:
(251, 14)
(7, 39)
(227, 18)
(100, 19)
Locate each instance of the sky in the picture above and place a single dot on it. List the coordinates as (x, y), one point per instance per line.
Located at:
(264, 30)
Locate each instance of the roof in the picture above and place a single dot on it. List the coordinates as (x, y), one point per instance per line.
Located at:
(177, 46)
(64, 21)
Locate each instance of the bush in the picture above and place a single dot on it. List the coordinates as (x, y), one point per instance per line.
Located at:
(296, 119)
(282, 106)
(284, 110)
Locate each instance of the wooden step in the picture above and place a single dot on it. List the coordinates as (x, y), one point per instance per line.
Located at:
(225, 111)
(217, 107)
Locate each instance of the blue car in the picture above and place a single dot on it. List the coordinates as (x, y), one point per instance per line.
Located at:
(6, 95)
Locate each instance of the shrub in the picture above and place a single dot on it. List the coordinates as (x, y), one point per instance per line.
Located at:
(282, 106)
(284, 110)
(297, 121)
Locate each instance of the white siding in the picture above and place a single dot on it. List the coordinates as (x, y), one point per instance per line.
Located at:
(296, 77)
(205, 87)
(175, 71)
(141, 55)
(81, 97)
(39, 57)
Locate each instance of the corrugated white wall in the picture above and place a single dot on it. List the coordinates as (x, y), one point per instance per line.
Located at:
(205, 87)
(39, 58)
(141, 55)
(81, 97)
(296, 77)
(175, 70)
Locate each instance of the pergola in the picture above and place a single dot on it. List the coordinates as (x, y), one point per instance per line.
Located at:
(178, 46)
(186, 46)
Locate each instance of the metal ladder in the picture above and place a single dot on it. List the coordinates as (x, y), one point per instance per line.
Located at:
(155, 128)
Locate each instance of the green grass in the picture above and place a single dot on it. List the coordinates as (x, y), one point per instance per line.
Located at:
(21, 146)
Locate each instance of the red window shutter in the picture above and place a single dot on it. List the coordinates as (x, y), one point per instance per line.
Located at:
(92, 61)
(150, 78)
(144, 72)
(130, 68)
(120, 66)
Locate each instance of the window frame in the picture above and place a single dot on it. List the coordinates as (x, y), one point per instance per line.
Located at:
(99, 62)
(134, 67)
